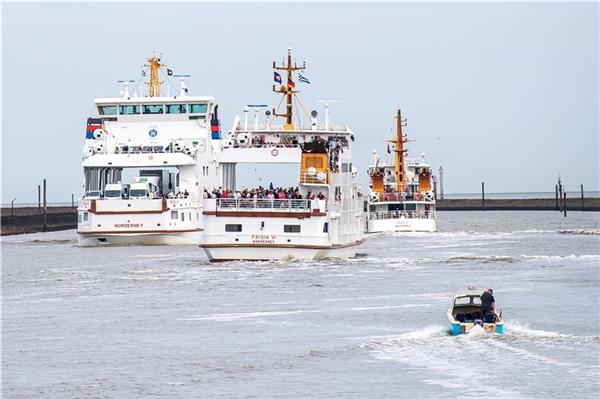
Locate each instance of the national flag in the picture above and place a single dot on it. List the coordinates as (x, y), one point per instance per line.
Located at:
(303, 78)
(277, 77)
(169, 72)
(291, 84)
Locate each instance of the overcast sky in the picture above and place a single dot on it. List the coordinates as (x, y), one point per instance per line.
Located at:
(506, 94)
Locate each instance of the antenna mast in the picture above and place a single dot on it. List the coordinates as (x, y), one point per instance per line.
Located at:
(155, 81)
(399, 153)
(287, 89)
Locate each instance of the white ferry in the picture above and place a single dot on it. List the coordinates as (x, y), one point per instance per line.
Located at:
(146, 160)
(401, 196)
(321, 217)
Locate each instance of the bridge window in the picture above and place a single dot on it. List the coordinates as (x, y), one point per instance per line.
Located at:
(198, 108)
(325, 227)
(233, 227)
(176, 108)
(107, 109)
(174, 215)
(152, 108)
(291, 228)
(129, 109)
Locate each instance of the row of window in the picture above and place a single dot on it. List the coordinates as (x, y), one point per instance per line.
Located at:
(287, 228)
(151, 109)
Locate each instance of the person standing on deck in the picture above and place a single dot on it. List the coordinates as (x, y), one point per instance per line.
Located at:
(488, 303)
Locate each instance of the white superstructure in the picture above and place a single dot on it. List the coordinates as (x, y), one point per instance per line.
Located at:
(321, 217)
(146, 161)
(401, 194)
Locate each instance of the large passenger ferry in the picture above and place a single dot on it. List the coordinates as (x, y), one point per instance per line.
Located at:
(401, 194)
(322, 216)
(146, 160)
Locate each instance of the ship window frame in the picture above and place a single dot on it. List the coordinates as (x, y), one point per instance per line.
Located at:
(182, 109)
(191, 108)
(85, 216)
(345, 167)
(79, 217)
(136, 107)
(102, 109)
(326, 227)
(292, 228)
(233, 228)
(174, 215)
(145, 107)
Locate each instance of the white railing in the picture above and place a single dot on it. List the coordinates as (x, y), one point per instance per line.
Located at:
(401, 215)
(305, 178)
(253, 204)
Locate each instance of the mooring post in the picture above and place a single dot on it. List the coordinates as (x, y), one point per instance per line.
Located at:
(441, 182)
(482, 196)
(39, 198)
(12, 207)
(73, 200)
(582, 200)
(45, 210)
(556, 195)
(560, 195)
(565, 203)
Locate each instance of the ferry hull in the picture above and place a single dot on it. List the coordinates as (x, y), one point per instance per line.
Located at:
(167, 238)
(401, 225)
(258, 253)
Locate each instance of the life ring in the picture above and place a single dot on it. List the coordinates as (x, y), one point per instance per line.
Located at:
(274, 152)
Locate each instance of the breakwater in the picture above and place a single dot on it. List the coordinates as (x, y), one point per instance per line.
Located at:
(31, 219)
(523, 204)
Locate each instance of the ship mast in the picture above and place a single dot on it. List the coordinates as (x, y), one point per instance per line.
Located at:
(399, 154)
(155, 81)
(287, 89)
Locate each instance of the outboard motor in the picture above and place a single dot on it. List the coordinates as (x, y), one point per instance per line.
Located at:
(215, 125)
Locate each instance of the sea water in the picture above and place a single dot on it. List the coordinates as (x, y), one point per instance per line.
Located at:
(163, 321)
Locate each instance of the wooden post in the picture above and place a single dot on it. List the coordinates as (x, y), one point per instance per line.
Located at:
(45, 210)
(73, 200)
(560, 196)
(556, 195)
(565, 204)
(39, 197)
(482, 196)
(582, 200)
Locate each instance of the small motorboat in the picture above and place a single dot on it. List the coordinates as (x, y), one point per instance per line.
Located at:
(466, 312)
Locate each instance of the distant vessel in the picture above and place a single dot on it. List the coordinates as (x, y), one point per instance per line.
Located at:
(322, 217)
(465, 313)
(401, 197)
(146, 160)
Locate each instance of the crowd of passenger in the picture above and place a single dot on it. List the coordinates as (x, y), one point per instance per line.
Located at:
(279, 193)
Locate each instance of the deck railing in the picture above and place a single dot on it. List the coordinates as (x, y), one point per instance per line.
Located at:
(252, 204)
(418, 214)
(306, 178)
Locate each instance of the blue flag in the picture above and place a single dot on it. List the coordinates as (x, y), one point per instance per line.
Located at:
(277, 77)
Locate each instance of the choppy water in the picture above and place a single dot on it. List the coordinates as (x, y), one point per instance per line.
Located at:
(162, 321)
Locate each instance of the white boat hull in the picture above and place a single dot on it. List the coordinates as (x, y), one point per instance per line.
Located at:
(166, 238)
(257, 253)
(401, 225)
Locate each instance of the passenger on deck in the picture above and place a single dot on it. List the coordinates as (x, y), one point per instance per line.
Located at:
(488, 303)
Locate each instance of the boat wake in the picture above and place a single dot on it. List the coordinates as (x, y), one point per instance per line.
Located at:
(452, 361)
